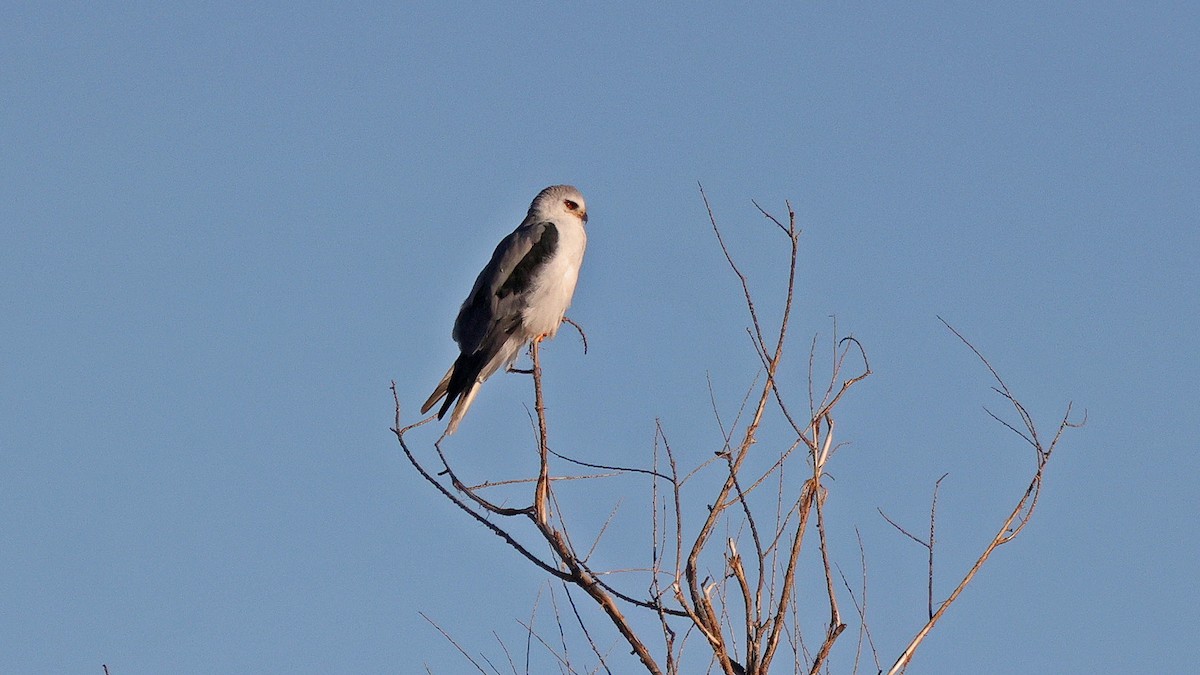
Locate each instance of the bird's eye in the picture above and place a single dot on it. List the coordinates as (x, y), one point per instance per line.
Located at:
(571, 206)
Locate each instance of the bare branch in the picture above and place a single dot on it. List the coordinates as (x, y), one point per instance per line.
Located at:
(903, 531)
(522, 481)
(864, 628)
(507, 654)
(582, 335)
(835, 618)
(562, 660)
(605, 467)
(600, 534)
(562, 635)
(932, 539)
(1020, 514)
(741, 277)
(586, 633)
(452, 641)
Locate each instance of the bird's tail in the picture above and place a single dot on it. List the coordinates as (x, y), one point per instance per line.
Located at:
(464, 402)
(438, 392)
(460, 383)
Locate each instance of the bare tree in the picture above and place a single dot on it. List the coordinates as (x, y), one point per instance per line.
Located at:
(724, 568)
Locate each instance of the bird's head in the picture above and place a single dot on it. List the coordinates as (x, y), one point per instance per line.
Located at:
(559, 202)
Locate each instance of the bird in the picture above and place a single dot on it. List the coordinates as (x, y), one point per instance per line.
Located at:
(521, 295)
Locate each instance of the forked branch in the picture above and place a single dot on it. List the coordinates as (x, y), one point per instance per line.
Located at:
(1021, 513)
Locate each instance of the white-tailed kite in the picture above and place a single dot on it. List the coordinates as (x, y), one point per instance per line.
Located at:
(521, 295)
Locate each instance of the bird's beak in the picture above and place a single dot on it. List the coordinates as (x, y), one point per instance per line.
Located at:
(583, 216)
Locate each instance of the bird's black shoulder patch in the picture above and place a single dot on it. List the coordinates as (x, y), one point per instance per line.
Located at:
(522, 275)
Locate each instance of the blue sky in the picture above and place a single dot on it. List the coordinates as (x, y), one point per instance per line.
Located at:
(227, 227)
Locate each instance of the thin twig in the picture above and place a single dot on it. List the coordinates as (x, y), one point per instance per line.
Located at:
(562, 661)
(603, 528)
(604, 467)
(562, 635)
(932, 538)
(452, 641)
(521, 481)
(582, 334)
(507, 654)
(586, 633)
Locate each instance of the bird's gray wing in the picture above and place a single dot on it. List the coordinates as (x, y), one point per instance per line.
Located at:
(498, 297)
(492, 311)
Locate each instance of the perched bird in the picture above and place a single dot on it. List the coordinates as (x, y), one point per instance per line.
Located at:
(521, 295)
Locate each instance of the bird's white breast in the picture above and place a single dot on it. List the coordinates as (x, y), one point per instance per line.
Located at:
(551, 292)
